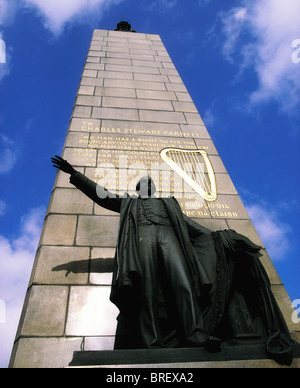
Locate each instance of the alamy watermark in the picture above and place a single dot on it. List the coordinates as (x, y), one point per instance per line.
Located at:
(296, 313)
(2, 51)
(2, 311)
(121, 181)
(296, 53)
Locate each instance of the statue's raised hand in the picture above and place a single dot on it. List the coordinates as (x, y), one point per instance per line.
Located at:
(62, 165)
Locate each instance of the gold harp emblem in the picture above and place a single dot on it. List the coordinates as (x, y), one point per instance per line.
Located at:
(195, 168)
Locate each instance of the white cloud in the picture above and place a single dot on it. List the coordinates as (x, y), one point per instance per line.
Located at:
(57, 13)
(209, 118)
(259, 35)
(8, 154)
(233, 23)
(273, 233)
(7, 11)
(16, 260)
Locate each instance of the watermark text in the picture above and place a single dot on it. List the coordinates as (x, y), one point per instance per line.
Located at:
(2, 311)
(2, 51)
(113, 182)
(296, 313)
(296, 53)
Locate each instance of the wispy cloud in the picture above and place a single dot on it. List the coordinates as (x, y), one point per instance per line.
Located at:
(7, 11)
(8, 154)
(169, 3)
(203, 3)
(274, 233)
(209, 118)
(56, 14)
(16, 260)
(161, 5)
(259, 35)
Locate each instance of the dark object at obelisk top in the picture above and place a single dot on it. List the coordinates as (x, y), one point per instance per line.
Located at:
(124, 26)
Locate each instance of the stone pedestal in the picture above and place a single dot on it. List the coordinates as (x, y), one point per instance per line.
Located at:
(230, 355)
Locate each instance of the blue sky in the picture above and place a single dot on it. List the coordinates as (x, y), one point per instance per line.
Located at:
(241, 64)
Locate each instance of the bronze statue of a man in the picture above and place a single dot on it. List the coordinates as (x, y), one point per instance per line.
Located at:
(178, 284)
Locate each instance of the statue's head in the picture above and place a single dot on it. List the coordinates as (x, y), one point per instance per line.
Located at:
(146, 187)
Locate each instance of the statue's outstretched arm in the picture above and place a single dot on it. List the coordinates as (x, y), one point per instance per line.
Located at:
(62, 165)
(87, 186)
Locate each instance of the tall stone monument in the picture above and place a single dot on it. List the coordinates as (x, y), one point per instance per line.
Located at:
(132, 116)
